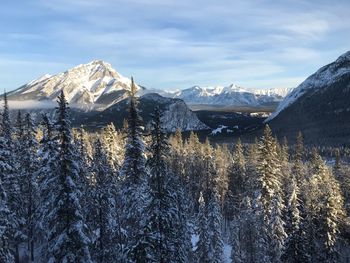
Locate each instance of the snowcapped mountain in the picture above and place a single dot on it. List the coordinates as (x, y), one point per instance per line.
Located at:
(232, 95)
(318, 81)
(99, 95)
(319, 106)
(276, 92)
(91, 85)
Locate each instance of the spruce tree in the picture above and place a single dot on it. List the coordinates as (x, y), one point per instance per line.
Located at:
(84, 180)
(210, 217)
(161, 210)
(68, 241)
(271, 197)
(134, 176)
(6, 227)
(106, 247)
(113, 144)
(48, 180)
(237, 183)
(294, 248)
(30, 189)
(203, 244)
(11, 180)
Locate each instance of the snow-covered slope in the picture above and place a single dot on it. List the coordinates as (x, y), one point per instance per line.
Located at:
(232, 95)
(275, 92)
(319, 107)
(91, 85)
(318, 81)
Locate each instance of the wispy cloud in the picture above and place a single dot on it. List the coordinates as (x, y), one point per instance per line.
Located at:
(175, 44)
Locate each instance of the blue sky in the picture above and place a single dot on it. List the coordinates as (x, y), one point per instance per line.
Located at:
(169, 44)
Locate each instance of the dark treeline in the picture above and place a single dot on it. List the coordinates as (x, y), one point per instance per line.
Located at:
(121, 196)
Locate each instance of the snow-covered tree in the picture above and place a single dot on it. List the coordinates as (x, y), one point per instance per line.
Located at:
(294, 247)
(10, 178)
(134, 175)
(210, 244)
(245, 235)
(68, 241)
(6, 228)
(29, 170)
(106, 247)
(161, 210)
(237, 183)
(48, 180)
(113, 145)
(271, 197)
(325, 212)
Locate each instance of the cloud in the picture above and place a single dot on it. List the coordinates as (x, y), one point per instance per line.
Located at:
(168, 43)
(31, 104)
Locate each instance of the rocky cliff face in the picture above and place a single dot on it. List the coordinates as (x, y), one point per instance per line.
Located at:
(176, 114)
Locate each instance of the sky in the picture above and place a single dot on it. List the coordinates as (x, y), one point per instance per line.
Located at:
(174, 44)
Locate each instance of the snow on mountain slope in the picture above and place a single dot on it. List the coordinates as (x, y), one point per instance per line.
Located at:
(323, 78)
(232, 95)
(277, 92)
(86, 85)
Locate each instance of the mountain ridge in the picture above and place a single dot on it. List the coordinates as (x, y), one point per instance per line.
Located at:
(231, 95)
(319, 107)
(97, 85)
(86, 85)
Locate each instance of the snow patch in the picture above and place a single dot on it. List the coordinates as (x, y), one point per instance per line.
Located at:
(218, 129)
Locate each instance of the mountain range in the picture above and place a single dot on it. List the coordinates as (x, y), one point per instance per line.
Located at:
(97, 89)
(96, 86)
(99, 95)
(231, 95)
(319, 106)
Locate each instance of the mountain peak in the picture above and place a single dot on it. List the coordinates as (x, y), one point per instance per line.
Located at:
(345, 56)
(84, 85)
(322, 79)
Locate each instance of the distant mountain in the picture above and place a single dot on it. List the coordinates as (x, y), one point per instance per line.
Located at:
(93, 85)
(99, 95)
(229, 96)
(320, 106)
(176, 114)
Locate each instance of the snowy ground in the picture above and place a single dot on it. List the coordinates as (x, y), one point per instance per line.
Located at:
(218, 129)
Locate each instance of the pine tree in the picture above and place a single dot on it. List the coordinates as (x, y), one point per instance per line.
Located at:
(210, 218)
(245, 236)
(161, 210)
(67, 239)
(182, 225)
(5, 227)
(134, 176)
(325, 212)
(19, 126)
(177, 160)
(30, 189)
(270, 172)
(11, 181)
(48, 180)
(294, 251)
(106, 248)
(84, 180)
(113, 144)
(237, 183)
(214, 224)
